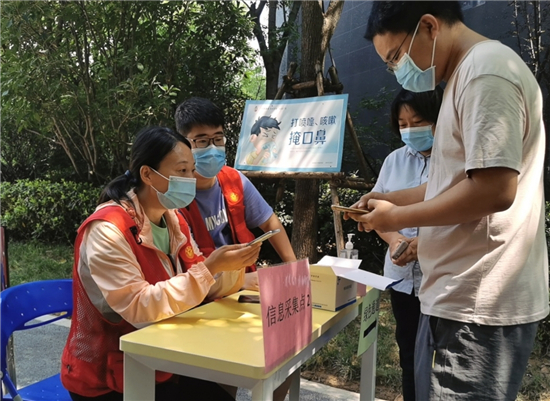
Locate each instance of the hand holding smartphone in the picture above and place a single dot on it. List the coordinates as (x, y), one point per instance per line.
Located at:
(339, 208)
(264, 236)
(400, 249)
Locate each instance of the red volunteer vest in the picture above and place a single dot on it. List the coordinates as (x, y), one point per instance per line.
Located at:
(233, 193)
(92, 364)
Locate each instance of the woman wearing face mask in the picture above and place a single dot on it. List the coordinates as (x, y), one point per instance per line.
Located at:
(135, 264)
(413, 119)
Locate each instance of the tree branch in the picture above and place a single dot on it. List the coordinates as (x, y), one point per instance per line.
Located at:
(272, 25)
(64, 145)
(292, 16)
(257, 30)
(332, 16)
(256, 11)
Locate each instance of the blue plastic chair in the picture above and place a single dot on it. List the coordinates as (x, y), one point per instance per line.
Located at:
(18, 306)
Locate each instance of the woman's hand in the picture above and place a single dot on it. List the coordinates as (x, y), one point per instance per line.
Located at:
(232, 257)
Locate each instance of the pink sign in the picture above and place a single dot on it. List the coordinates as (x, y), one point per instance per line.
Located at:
(285, 297)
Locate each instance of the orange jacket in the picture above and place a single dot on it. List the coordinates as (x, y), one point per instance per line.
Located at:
(92, 364)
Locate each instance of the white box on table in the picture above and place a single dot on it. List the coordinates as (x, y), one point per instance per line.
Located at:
(328, 291)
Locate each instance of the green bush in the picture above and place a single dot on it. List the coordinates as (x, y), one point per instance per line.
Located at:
(46, 211)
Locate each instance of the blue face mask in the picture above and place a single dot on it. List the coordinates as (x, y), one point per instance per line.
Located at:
(181, 192)
(418, 138)
(209, 161)
(412, 78)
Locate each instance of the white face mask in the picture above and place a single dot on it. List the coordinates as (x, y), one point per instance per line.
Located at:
(412, 78)
(180, 193)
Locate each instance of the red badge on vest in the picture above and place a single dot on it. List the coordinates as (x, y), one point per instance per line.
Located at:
(188, 252)
(234, 197)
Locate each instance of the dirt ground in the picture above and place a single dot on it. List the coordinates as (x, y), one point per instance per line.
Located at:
(541, 367)
(382, 392)
(536, 381)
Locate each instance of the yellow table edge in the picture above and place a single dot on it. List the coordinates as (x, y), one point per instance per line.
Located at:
(222, 358)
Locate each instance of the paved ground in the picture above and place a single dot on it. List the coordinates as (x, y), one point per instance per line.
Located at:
(38, 352)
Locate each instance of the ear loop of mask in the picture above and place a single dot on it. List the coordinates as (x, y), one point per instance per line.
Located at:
(412, 41)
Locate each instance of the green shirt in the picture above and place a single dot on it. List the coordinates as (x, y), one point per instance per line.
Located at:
(161, 239)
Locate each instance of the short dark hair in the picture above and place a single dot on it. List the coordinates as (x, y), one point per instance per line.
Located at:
(150, 147)
(264, 122)
(403, 16)
(197, 111)
(425, 104)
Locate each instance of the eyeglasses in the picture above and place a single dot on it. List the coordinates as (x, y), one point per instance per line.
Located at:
(392, 65)
(205, 142)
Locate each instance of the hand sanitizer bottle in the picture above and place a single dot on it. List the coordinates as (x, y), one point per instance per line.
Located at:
(352, 253)
(349, 252)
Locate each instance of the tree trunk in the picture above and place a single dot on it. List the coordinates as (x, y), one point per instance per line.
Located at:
(312, 38)
(271, 78)
(306, 193)
(304, 227)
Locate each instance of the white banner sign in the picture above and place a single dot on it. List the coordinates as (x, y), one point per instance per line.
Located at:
(305, 135)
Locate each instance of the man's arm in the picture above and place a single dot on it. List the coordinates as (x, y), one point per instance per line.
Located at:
(484, 192)
(402, 197)
(280, 241)
(399, 198)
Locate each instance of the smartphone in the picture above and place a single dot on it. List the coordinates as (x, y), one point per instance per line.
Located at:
(339, 208)
(264, 236)
(400, 249)
(249, 299)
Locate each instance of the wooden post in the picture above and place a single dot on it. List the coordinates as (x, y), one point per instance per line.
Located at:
(337, 218)
(319, 79)
(286, 80)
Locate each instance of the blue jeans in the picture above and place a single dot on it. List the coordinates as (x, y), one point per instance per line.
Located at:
(465, 361)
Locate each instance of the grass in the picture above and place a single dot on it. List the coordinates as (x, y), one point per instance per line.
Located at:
(33, 261)
(336, 364)
(536, 381)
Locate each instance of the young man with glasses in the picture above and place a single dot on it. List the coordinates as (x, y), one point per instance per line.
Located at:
(227, 205)
(482, 243)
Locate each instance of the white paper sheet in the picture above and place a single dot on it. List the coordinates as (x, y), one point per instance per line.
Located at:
(364, 277)
(339, 262)
(349, 268)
